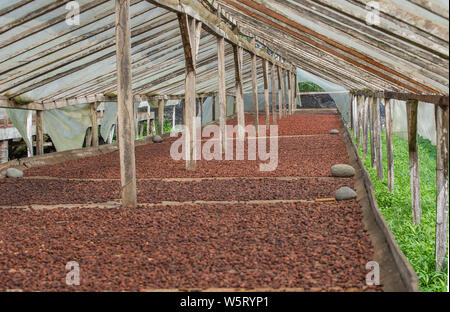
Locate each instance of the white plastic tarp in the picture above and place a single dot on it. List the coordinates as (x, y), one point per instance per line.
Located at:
(67, 126)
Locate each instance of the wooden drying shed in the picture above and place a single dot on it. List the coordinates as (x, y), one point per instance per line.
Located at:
(133, 50)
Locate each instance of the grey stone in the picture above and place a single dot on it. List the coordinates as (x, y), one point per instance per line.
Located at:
(157, 139)
(342, 171)
(334, 131)
(14, 173)
(345, 193)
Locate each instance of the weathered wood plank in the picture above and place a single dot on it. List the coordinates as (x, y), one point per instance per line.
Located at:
(378, 145)
(389, 145)
(411, 112)
(372, 131)
(280, 93)
(188, 35)
(39, 133)
(255, 91)
(442, 124)
(161, 117)
(274, 99)
(366, 125)
(125, 104)
(238, 58)
(222, 93)
(94, 123)
(266, 92)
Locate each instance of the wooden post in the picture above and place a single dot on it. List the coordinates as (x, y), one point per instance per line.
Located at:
(255, 90)
(214, 101)
(352, 116)
(39, 132)
(274, 99)
(190, 33)
(289, 108)
(372, 131)
(294, 108)
(94, 124)
(238, 56)
(266, 91)
(125, 104)
(442, 116)
(411, 112)
(359, 118)
(280, 93)
(88, 137)
(4, 154)
(148, 120)
(174, 116)
(366, 125)
(285, 93)
(29, 133)
(222, 93)
(389, 145)
(161, 117)
(378, 145)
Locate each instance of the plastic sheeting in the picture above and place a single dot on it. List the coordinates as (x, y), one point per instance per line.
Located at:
(109, 119)
(21, 119)
(426, 124)
(342, 100)
(67, 126)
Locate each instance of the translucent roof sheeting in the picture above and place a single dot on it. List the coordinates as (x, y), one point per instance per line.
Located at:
(405, 50)
(42, 58)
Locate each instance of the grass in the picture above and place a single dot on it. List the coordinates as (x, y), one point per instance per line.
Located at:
(416, 242)
(167, 129)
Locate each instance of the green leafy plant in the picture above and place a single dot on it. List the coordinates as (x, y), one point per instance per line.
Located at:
(416, 242)
(309, 87)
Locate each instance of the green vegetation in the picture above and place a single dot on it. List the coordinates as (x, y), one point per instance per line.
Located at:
(416, 242)
(309, 87)
(167, 129)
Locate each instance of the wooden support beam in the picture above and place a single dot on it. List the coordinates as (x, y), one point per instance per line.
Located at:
(238, 58)
(161, 117)
(389, 145)
(442, 123)
(366, 125)
(289, 83)
(274, 99)
(359, 117)
(352, 114)
(378, 145)
(280, 93)
(255, 91)
(125, 104)
(88, 138)
(411, 112)
(266, 91)
(222, 93)
(4, 154)
(39, 132)
(295, 91)
(372, 131)
(149, 130)
(190, 33)
(214, 105)
(94, 123)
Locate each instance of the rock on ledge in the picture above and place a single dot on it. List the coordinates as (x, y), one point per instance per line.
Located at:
(14, 173)
(342, 171)
(345, 193)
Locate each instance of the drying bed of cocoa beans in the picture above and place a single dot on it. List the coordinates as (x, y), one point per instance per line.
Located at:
(309, 246)
(303, 245)
(297, 156)
(52, 192)
(298, 124)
